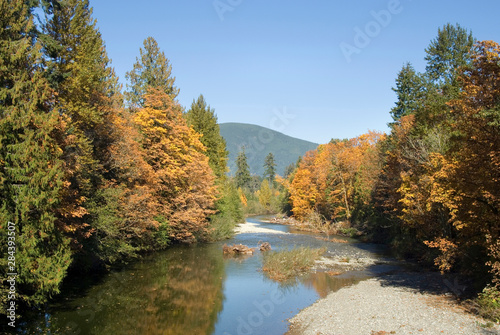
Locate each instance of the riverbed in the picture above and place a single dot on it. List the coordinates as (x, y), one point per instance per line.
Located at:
(197, 290)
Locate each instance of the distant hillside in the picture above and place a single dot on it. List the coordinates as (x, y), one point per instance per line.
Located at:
(259, 142)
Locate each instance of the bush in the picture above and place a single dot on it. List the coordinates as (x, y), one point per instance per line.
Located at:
(488, 304)
(221, 227)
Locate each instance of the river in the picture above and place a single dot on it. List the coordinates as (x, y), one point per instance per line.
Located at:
(196, 290)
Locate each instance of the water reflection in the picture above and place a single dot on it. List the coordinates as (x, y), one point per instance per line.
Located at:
(195, 290)
(175, 292)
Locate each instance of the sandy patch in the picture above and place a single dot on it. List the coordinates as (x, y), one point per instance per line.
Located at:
(250, 227)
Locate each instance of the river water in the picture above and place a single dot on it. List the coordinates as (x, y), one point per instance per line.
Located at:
(196, 290)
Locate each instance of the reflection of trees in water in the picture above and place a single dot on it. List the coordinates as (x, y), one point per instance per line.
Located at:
(175, 292)
(324, 283)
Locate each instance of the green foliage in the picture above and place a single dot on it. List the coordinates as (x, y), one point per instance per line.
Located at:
(204, 121)
(447, 53)
(488, 304)
(242, 177)
(221, 227)
(151, 70)
(264, 194)
(409, 91)
(229, 203)
(270, 168)
(31, 180)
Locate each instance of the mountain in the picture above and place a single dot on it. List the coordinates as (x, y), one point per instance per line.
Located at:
(259, 142)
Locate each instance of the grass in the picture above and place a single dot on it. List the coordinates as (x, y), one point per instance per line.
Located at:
(287, 264)
(488, 304)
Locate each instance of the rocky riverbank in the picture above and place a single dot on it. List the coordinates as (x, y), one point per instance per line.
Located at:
(401, 303)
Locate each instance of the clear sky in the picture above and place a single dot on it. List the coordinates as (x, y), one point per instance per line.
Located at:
(315, 70)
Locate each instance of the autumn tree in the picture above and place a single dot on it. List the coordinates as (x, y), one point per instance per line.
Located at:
(31, 166)
(152, 69)
(333, 178)
(86, 87)
(186, 190)
(469, 173)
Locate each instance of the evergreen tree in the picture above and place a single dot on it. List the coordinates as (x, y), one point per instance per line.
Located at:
(204, 121)
(151, 70)
(31, 177)
(87, 100)
(242, 170)
(446, 54)
(270, 168)
(410, 92)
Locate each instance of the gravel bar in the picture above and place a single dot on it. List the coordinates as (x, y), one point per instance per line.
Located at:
(401, 303)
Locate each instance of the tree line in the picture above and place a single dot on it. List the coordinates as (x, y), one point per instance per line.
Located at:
(431, 187)
(92, 175)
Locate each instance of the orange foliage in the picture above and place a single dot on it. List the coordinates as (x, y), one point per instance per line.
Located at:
(329, 178)
(185, 182)
(469, 178)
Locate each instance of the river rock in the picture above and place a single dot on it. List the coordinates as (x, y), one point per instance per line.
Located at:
(265, 246)
(237, 249)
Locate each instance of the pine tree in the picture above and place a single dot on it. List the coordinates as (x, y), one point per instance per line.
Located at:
(31, 177)
(270, 168)
(204, 121)
(151, 70)
(242, 170)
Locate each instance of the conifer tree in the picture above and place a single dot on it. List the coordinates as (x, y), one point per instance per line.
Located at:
(151, 70)
(446, 54)
(270, 168)
(86, 88)
(31, 176)
(204, 121)
(410, 92)
(242, 170)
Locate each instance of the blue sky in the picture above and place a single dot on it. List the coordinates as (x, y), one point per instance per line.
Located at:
(315, 70)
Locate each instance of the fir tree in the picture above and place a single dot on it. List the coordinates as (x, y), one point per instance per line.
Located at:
(270, 168)
(151, 70)
(446, 54)
(243, 177)
(31, 177)
(410, 92)
(87, 101)
(204, 121)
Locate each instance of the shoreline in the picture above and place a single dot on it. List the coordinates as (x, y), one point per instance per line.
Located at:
(404, 301)
(400, 303)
